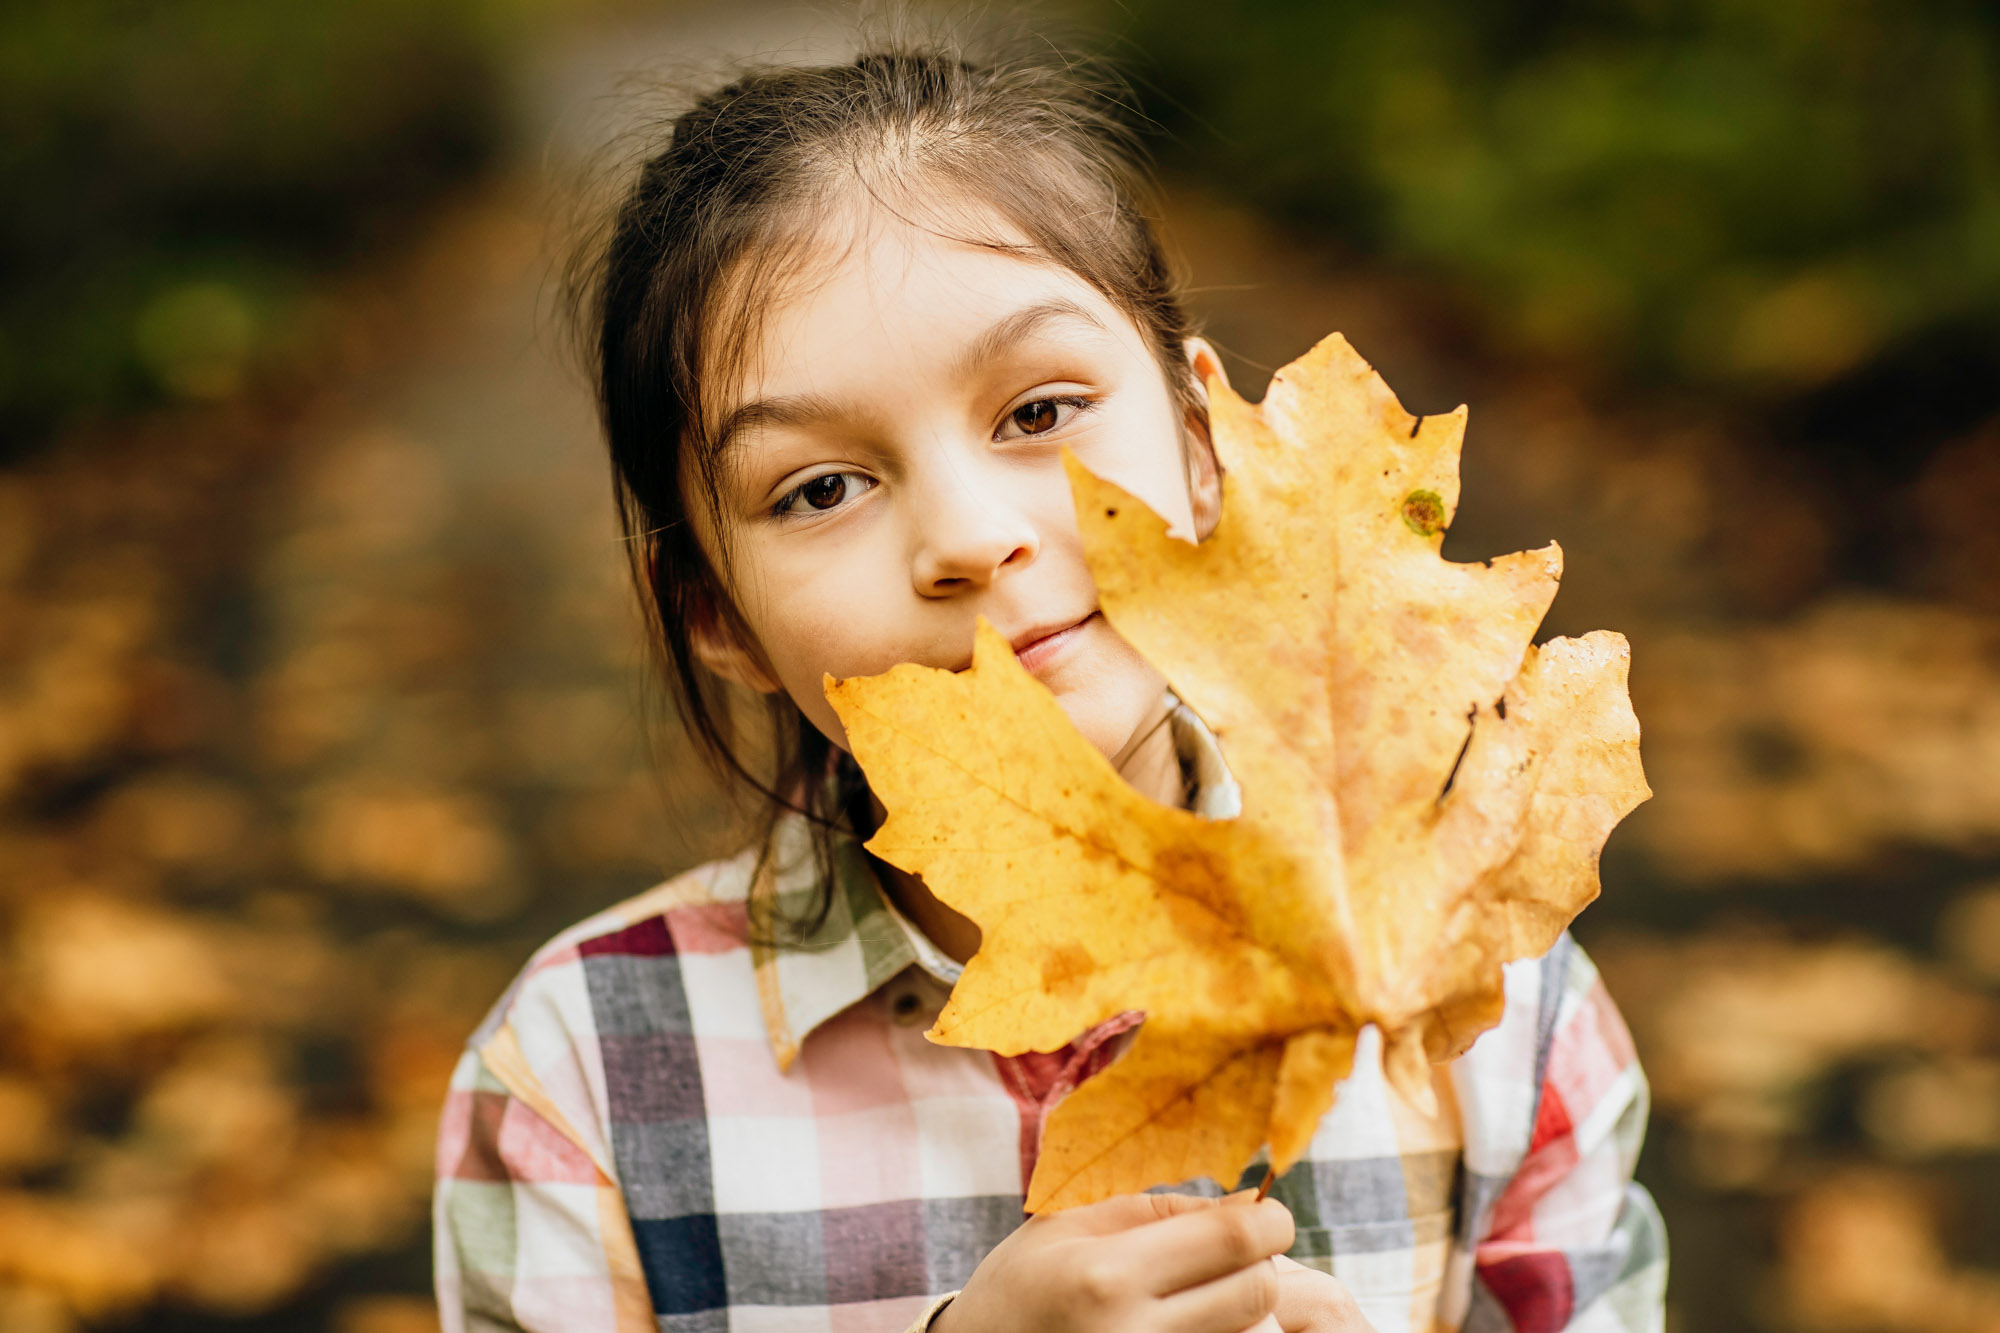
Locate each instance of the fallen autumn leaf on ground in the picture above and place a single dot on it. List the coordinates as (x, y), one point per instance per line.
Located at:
(1425, 794)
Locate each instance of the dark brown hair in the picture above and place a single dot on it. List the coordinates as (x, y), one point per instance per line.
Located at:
(726, 203)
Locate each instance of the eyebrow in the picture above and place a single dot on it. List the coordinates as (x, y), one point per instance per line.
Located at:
(791, 409)
(1016, 328)
(798, 409)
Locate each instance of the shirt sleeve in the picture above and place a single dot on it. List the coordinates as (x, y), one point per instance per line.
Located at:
(1573, 1244)
(531, 1234)
(923, 1322)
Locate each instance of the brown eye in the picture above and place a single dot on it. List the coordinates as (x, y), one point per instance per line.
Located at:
(825, 492)
(1036, 417)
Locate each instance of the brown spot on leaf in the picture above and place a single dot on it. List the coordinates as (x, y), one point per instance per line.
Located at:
(1424, 512)
(1065, 968)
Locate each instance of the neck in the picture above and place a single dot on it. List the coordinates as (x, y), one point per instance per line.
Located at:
(1149, 762)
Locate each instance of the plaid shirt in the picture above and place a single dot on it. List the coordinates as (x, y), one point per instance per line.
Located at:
(663, 1127)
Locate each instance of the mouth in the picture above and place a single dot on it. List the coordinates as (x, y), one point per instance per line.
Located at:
(1038, 648)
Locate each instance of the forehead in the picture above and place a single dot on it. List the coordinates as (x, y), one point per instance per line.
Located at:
(868, 294)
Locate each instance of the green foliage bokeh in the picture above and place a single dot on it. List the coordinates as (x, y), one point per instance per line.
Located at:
(172, 173)
(1746, 195)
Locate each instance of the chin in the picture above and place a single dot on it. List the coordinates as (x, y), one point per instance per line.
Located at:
(1110, 714)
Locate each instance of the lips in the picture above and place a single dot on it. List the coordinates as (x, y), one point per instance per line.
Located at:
(1038, 648)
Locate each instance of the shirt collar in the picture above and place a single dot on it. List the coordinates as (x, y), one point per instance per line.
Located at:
(864, 942)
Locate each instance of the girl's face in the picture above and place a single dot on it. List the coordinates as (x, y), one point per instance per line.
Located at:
(891, 472)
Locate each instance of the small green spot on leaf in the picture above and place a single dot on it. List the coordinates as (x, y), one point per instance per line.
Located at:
(1424, 512)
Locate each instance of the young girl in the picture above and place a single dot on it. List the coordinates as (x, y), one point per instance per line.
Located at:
(845, 321)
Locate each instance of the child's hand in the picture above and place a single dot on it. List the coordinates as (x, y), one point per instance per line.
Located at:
(1310, 1302)
(1139, 1263)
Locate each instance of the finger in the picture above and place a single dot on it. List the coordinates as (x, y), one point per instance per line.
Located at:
(1125, 1211)
(1315, 1302)
(1228, 1304)
(1198, 1247)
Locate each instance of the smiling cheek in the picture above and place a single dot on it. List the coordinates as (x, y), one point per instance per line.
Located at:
(826, 609)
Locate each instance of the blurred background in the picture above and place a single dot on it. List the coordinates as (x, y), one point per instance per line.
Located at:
(322, 700)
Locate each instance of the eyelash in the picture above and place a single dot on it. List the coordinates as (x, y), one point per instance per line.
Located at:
(1079, 402)
(787, 505)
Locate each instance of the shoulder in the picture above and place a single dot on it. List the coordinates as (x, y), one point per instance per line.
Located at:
(1560, 1052)
(611, 981)
(706, 903)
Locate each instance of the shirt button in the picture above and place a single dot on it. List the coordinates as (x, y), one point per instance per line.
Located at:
(907, 1009)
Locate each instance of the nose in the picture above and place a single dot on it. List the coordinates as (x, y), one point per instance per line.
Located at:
(967, 533)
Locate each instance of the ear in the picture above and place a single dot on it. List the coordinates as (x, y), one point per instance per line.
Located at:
(730, 651)
(1204, 470)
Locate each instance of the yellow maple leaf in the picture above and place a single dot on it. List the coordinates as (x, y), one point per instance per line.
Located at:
(1425, 794)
